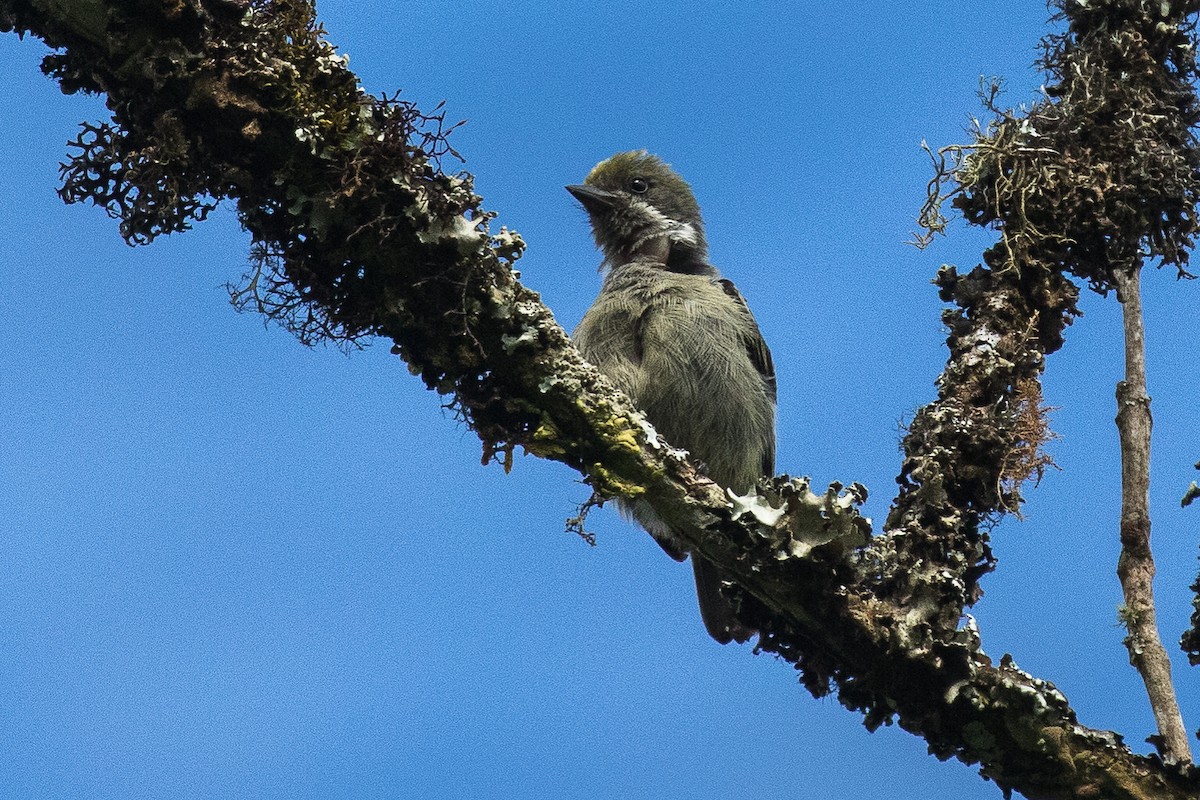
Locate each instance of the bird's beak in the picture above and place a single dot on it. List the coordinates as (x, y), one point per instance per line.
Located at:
(593, 199)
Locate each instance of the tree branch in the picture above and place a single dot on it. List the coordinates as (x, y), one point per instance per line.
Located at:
(1135, 566)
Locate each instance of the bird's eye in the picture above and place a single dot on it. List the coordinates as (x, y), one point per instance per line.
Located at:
(638, 185)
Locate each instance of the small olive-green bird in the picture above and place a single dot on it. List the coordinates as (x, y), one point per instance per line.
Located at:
(680, 340)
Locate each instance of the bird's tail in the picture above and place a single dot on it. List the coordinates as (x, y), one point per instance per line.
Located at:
(715, 610)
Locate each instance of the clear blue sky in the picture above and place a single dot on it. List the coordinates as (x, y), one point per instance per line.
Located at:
(235, 567)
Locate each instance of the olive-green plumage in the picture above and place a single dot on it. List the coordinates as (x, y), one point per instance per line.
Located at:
(680, 341)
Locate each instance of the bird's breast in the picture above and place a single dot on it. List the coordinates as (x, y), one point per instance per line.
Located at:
(677, 345)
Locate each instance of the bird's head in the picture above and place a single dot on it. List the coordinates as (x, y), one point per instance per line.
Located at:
(642, 210)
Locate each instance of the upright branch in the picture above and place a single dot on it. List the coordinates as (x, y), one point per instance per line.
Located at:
(1135, 566)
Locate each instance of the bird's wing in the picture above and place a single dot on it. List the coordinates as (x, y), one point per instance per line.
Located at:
(756, 345)
(760, 356)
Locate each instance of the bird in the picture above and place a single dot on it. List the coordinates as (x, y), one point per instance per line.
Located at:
(681, 342)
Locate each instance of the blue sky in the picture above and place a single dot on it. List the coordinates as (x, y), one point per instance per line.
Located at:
(236, 567)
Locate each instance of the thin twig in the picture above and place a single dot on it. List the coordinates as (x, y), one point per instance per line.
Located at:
(1135, 567)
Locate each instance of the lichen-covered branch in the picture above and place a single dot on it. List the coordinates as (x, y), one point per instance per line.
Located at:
(1094, 180)
(359, 232)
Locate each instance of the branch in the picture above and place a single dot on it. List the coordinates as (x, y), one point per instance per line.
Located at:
(361, 233)
(1135, 567)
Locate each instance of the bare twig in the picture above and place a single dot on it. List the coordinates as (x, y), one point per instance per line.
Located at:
(1135, 567)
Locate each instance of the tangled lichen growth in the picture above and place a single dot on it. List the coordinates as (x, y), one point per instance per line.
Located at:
(182, 116)
(1100, 174)
(148, 185)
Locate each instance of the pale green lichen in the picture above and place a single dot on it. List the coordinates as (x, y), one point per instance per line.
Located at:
(510, 343)
(756, 506)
